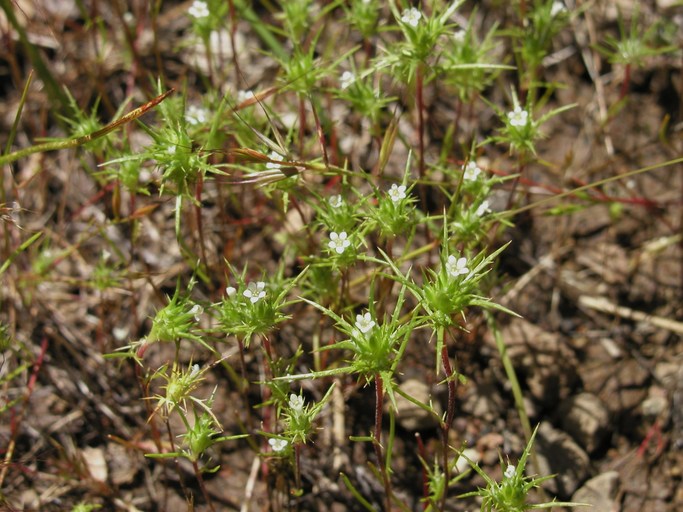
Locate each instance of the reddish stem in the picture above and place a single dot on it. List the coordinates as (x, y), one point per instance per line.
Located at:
(626, 82)
(425, 480)
(379, 401)
(15, 424)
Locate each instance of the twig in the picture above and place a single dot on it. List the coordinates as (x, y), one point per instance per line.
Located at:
(604, 305)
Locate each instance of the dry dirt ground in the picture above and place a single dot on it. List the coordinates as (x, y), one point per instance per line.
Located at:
(598, 349)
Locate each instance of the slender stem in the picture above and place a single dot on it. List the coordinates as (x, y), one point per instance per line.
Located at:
(297, 465)
(379, 402)
(425, 480)
(16, 424)
(200, 480)
(233, 30)
(198, 213)
(79, 141)
(450, 408)
(419, 85)
(626, 82)
(302, 124)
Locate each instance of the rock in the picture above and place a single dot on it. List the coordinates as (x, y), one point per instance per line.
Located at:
(483, 401)
(586, 419)
(600, 492)
(559, 455)
(622, 386)
(412, 417)
(542, 359)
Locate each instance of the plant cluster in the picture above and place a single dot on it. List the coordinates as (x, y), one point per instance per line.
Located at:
(382, 267)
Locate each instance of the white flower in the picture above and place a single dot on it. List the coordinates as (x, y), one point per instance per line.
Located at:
(277, 444)
(197, 311)
(483, 209)
(518, 117)
(336, 201)
(411, 17)
(397, 192)
(456, 266)
(243, 96)
(510, 471)
(194, 371)
(557, 8)
(364, 323)
(346, 79)
(339, 242)
(274, 156)
(471, 171)
(296, 403)
(255, 291)
(231, 291)
(199, 9)
(171, 149)
(196, 115)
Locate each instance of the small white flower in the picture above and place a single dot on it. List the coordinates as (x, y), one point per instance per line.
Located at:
(243, 96)
(510, 471)
(199, 9)
(296, 403)
(397, 192)
(197, 311)
(459, 36)
(518, 117)
(339, 242)
(231, 291)
(364, 323)
(471, 171)
(483, 209)
(194, 371)
(411, 17)
(196, 115)
(274, 156)
(171, 149)
(255, 291)
(557, 8)
(456, 266)
(346, 79)
(277, 444)
(336, 201)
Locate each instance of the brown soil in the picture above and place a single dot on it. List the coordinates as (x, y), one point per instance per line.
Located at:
(599, 288)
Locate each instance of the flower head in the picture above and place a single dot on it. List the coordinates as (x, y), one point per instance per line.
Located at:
(296, 403)
(196, 115)
(339, 242)
(483, 209)
(471, 171)
(397, 192)
(243, 96)
(557, 8)
(510, 471)
(518, 117)
(197, 311)
(336, 201)
(277, 444)
(364, 323)
(411, 17)
(346, 79)
(255, 291)
(199, 9)
(274, 165)
(231, 291)
(456, 266)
